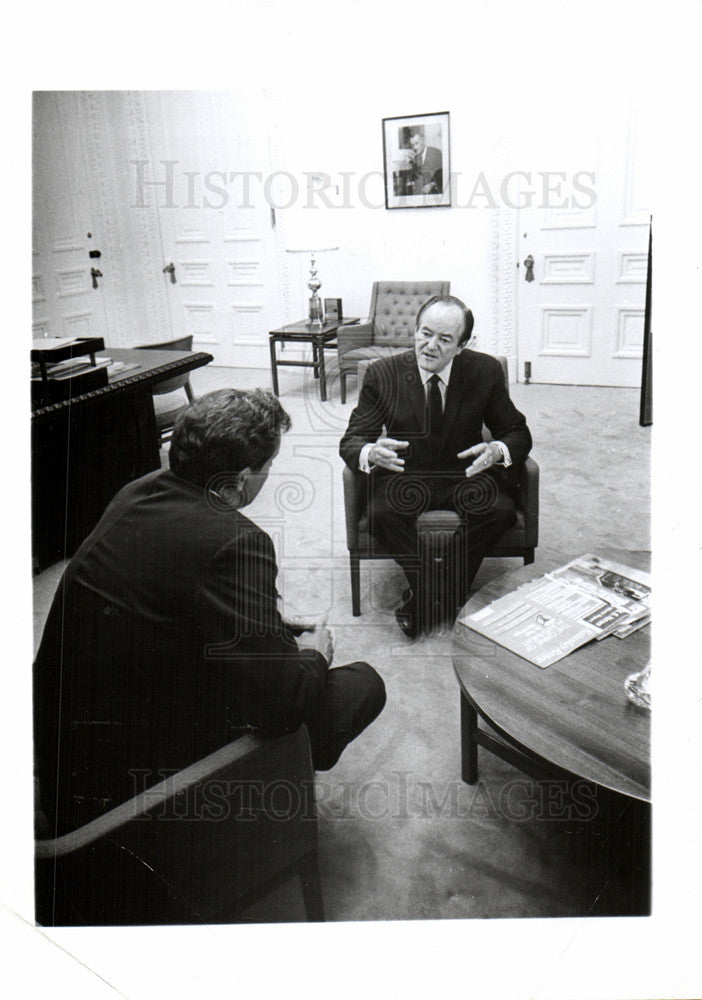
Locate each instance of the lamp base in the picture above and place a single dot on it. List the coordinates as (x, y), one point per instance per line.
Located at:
(316, 311)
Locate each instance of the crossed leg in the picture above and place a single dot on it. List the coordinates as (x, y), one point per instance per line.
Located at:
(486, 510)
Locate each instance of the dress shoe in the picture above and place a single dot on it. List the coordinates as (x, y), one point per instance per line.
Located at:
(407, 618)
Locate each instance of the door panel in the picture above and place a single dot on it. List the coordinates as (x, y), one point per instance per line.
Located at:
(580, 321)
(65, 303)
(217, 231)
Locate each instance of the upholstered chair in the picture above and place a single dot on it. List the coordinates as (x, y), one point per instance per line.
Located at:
(390, 324)
(436, 527)
(167, 410)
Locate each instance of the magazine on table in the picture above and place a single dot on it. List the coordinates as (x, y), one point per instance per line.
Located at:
(626, 588)
(547, 618)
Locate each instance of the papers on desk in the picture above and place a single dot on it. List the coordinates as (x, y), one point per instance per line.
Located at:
(53, 343)
(546, 619)
(118, 367)
(69, 368)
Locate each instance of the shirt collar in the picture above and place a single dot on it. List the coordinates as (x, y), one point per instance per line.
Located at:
(444, 374)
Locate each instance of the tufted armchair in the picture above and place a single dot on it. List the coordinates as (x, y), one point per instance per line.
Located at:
(389, 327)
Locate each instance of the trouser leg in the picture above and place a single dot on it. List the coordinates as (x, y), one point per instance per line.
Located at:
(395, 504)
(354, 696)
(485, 507)
(481, 526)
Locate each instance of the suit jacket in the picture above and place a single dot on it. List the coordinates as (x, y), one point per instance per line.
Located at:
(393, 396)
(430, 171)
(163, 640)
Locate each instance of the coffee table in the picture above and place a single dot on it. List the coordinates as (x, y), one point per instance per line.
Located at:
(320, 337)
(572, 718)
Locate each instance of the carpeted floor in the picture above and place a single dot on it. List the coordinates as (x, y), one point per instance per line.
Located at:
(401, 837)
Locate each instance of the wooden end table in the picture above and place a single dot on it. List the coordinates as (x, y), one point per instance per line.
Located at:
(320, 337)
(572, 717)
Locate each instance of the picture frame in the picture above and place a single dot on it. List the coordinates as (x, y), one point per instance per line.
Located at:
(416, 161)
(332, 309)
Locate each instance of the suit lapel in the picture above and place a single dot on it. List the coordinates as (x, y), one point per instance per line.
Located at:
(409, 374)
(455, 394)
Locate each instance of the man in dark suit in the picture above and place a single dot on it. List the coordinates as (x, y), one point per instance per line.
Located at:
(417, 432)
(164, 641)
(427, 167)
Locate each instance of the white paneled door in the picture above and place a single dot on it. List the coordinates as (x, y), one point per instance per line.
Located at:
(68, 301)
(207, 174)
(581, 317)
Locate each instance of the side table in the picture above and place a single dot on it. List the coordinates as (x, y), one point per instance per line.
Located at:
(320, 337)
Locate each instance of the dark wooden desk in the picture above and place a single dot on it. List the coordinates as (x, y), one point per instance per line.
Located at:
(320, 337)
(85, 449)
(573, 716)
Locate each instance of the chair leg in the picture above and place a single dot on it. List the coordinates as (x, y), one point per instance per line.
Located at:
(355, 565)
(528, 557)
(342, 386)
(312, 888)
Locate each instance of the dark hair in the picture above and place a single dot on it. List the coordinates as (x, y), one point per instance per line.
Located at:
(226, 431)
(450, 300)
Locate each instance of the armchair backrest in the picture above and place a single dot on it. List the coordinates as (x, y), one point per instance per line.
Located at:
(394, 307)
(178, 381)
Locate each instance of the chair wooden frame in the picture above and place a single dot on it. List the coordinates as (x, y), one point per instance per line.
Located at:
(165, 420)
(179, 853)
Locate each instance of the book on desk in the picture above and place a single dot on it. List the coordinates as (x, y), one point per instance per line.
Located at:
(64, 368)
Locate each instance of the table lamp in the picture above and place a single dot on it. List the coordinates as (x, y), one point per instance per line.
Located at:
(305, 233)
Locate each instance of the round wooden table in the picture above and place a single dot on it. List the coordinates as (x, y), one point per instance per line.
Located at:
(573, 716)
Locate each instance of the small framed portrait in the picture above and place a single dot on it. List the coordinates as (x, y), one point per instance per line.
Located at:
(416, 161)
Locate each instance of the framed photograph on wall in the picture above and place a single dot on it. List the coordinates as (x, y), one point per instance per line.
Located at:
(416, 161)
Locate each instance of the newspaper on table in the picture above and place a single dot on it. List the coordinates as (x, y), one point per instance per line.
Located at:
(547, 618)
(628, 589)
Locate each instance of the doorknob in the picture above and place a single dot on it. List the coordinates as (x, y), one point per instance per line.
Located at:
(170, 269)
(95, 274)
(529, 265)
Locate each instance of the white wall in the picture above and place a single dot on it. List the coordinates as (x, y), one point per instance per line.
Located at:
(339, 136)
(553, 118)
(512, 107)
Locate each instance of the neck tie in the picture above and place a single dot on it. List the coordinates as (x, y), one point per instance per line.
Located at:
(435, 409)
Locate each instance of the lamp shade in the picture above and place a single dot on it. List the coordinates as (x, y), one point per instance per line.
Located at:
(308, 230)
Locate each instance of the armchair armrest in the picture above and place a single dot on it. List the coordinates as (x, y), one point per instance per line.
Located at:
(355, 500)
(529, 500)
(145, 801)
(355, 335)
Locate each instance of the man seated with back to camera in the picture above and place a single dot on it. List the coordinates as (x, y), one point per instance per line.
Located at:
(164, 641)
(417, 432)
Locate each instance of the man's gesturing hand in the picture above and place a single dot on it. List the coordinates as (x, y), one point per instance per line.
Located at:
(484, 455)
(384, 453)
